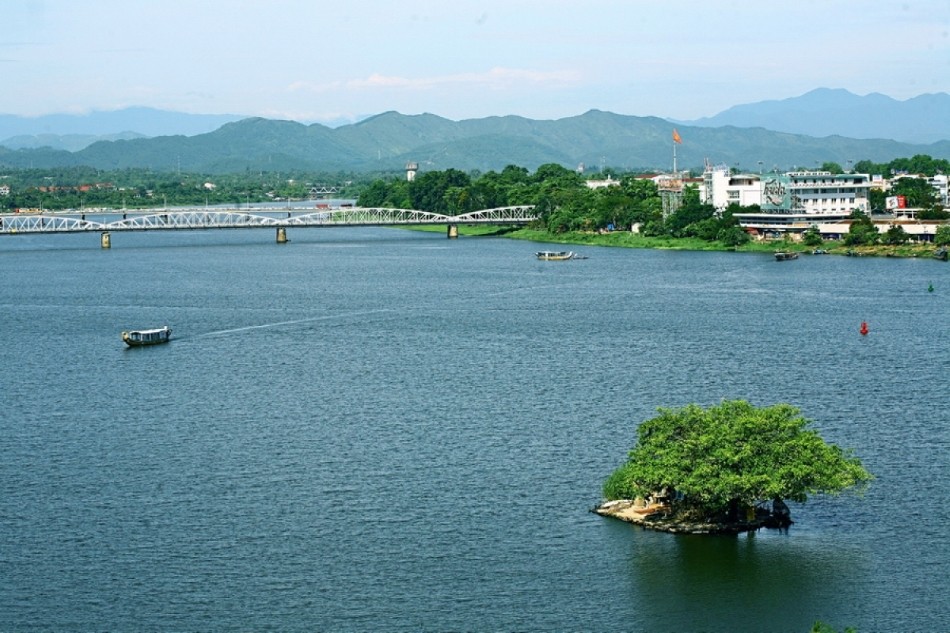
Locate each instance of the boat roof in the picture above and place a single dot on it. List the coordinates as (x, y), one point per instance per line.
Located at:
(156, 329)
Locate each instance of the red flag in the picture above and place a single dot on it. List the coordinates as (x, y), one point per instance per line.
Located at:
(676, 137)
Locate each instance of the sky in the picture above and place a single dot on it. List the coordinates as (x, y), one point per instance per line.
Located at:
(323, 61)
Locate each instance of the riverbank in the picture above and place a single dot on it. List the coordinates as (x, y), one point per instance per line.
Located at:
(624, 239)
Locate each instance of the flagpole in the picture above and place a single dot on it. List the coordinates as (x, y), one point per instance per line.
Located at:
(674, 157)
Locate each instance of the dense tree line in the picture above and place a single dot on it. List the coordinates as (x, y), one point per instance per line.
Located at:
(921, 165)
(565, 203)
(79, 187)
(563, 200)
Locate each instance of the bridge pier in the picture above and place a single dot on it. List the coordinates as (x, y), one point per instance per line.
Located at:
(105, 240)
(453, 232)
(281, 235)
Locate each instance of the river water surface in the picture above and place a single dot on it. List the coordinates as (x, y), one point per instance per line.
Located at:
(376, 429)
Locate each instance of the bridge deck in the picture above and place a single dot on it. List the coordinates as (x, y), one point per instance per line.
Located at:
(192, 219)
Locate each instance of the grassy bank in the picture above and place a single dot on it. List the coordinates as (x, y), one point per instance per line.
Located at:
(623, 239)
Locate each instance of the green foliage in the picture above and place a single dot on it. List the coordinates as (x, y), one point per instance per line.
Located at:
(832, 167)
(869, 167)
(812, 237)
(862, 230)
(877, 199)
(942, 236)
(860, 234)
(730, 455)
(821, 627)
(558, 174)
(934, 213)
(895, 235)
(440, 192)
(917, 192)
(382, 194)
(920, 164)
(681, 222)
(733, 236)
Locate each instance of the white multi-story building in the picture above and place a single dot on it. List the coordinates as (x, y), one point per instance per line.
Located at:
(941, 185)
(722, 188)
(821, 193)
(794, 201)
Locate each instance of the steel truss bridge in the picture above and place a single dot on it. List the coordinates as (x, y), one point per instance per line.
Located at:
(195, 219)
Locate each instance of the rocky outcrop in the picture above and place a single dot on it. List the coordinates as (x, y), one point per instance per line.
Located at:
(658, 517)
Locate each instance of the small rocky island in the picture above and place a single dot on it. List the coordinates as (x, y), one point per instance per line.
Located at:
(661, 517)
(725, 469)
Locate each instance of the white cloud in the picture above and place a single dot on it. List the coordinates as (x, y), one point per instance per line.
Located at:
(495, 78)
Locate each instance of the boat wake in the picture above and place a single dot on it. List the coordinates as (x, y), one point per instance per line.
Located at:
(328, 317)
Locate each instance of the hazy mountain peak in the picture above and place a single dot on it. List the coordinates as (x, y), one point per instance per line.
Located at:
(828, 111)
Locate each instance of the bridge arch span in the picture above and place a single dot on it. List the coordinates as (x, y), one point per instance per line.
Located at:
(172, 220)
(499, 215)
(16, 223)
(355, 216)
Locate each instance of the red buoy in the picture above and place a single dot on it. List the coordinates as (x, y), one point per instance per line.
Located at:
(864, 328)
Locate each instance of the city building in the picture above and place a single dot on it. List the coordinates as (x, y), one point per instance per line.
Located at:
(721, 187)
(940, 183)
(789, 202)
(599, 184)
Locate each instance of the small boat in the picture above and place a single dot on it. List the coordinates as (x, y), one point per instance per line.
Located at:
(141, 338)
(941, 254)
(819, 251)
(783, 256)
(556, 256)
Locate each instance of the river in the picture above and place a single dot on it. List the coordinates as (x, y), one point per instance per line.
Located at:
(380, 429)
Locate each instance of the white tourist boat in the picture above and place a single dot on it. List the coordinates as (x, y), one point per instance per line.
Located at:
(141, 338)
(556, 256)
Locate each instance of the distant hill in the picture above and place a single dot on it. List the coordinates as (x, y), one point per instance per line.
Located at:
(68, 142)
(389, 140)
(826, 112)
(65, 131)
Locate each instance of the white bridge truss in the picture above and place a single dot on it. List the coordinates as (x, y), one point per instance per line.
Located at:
(193, 219)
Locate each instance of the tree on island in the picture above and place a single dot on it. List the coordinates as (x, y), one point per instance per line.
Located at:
(821, 627)
(715, 462)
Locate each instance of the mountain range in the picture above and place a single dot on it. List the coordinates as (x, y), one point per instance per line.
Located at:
(826, 112)
(388, 141)
(64, 131)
